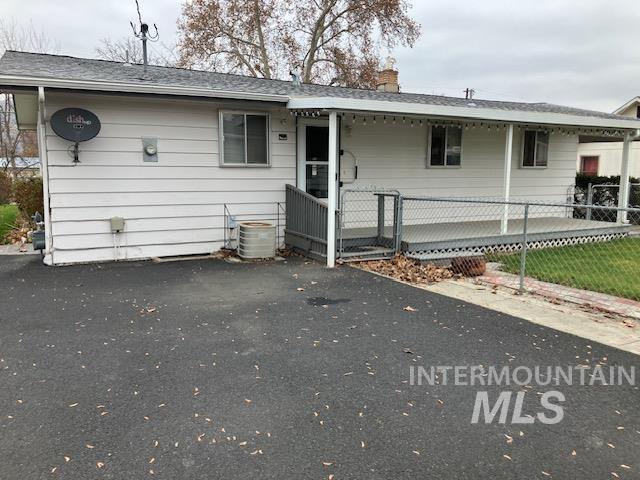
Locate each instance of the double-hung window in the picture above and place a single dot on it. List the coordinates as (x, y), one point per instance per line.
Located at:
(535, 149)
(244, 139)
(445, 146)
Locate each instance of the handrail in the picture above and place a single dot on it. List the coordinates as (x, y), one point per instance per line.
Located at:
(306, 217)
(504, 202)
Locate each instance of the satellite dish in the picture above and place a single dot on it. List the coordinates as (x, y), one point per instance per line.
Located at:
(75, 125)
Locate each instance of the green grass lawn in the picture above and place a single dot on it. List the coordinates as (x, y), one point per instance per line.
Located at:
(609, 267)
(8, 215)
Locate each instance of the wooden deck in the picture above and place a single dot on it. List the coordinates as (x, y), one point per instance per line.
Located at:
(481, 234)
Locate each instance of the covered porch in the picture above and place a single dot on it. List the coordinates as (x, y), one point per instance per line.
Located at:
(387, 150)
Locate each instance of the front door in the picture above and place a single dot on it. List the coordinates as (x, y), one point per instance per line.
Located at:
(313, 157)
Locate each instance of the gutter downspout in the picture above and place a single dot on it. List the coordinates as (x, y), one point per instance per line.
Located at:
(625, 187)
(44, 167)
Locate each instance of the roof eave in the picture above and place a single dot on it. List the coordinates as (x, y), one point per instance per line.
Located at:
(123, 87)
(479, 113)
(621, 109)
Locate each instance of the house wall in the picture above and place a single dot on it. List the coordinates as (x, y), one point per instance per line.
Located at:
(610, 157)
(395, 157)
(172, 207)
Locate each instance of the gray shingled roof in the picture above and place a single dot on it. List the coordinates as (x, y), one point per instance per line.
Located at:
(83, 69)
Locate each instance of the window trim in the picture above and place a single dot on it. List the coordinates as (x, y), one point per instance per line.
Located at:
(535, 150)
(221, 114)
(446, 136)
(582, 157)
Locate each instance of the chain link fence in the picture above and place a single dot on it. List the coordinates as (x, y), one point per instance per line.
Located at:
(544, 242)
(606, 194)
(530, 245)
(368, 220)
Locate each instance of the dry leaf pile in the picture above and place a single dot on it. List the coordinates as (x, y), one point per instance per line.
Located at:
(20, 233)
(408, 270)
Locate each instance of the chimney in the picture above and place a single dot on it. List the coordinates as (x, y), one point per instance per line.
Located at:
(388, 78)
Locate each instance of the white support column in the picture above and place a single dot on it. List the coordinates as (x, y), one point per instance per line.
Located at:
(508, 160)
(623, 194)
(332, 190)
(44, 171)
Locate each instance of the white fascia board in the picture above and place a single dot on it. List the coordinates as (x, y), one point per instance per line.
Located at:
(626, 105)
(399, 108)
(103, 86)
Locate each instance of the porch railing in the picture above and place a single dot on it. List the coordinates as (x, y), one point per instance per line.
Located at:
(306, 222)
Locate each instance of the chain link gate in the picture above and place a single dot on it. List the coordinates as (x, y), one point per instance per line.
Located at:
(369, 222)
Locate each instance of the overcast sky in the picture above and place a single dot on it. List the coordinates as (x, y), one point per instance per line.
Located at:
(582, 53)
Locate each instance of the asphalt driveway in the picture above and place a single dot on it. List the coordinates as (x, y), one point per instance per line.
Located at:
(205, 369)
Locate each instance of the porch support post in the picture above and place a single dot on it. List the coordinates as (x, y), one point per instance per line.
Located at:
(623, 194)
(44, 172)
(332, 191)
(508, 157)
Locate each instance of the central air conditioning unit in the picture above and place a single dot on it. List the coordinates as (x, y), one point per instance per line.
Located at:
(256, 240)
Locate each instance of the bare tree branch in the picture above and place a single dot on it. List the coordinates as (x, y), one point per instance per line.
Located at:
(18, 148)
(329, 41)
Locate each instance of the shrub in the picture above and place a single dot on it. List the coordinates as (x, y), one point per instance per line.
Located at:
(583, 180)
(29, 196)
(6, 187)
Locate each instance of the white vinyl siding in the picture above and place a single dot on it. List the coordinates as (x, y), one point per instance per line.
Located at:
(172, 207)
(610, 154)
(393, 156)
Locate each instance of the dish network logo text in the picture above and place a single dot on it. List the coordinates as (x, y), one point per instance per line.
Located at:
(78, 120)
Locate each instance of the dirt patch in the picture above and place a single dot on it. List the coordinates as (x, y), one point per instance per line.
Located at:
(408, 270)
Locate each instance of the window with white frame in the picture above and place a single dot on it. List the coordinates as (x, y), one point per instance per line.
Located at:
(244, 138)
(445, 146)
(535, 148)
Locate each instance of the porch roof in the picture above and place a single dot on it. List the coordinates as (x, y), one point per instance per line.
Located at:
(22, 69)
(527, 113)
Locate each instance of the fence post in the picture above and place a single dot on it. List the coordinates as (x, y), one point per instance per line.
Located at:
(397, 222)
(589, 200)
(523, 251)
(381, 217)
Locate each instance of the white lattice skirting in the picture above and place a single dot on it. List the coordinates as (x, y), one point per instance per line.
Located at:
(517, 246)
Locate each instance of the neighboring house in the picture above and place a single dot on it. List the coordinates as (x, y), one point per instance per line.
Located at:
(597, 156)
(229, 144)
(24, 167)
